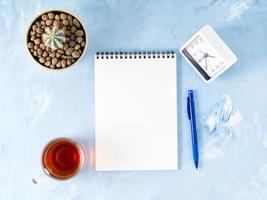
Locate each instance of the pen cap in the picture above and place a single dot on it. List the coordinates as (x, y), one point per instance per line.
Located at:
(190, 94)
(188, 108)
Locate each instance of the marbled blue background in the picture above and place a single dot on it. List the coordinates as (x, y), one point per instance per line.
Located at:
(37, 105)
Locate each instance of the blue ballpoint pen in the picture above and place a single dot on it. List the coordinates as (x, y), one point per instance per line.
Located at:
(192, 118)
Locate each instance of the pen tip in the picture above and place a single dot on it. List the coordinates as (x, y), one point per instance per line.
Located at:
(196, 165)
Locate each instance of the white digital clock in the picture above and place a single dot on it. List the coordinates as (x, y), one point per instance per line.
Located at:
(208, 54)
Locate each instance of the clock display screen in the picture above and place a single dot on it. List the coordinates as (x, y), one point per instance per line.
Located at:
(204, 57)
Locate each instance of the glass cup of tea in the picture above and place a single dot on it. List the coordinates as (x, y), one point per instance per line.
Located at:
(62, 158)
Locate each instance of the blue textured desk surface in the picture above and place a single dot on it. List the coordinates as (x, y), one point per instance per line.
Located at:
(37, 105)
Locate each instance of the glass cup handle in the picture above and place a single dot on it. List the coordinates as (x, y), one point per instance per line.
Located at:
(40, 178)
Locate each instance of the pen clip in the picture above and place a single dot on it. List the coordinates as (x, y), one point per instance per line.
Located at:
(188, 108)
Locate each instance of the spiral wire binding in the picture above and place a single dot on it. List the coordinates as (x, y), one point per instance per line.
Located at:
(135, 55)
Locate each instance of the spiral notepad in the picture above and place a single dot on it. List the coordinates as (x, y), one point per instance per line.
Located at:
(135, 111)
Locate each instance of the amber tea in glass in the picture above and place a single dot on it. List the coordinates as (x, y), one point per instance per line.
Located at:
(62, 158)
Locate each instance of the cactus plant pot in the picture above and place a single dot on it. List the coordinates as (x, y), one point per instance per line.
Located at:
(56, 39)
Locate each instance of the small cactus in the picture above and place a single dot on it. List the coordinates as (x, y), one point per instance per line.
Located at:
(54, 38)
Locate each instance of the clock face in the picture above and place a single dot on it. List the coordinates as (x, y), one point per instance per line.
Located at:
(205, 57)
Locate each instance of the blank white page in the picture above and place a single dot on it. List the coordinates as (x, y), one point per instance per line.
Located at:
(135, 113)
